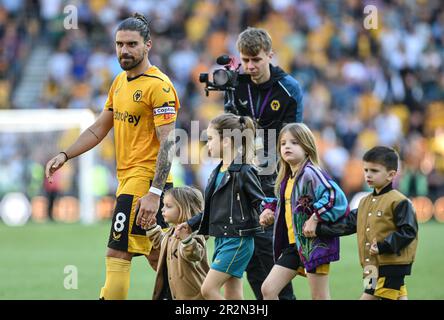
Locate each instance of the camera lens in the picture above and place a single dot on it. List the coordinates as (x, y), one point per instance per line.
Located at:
(220, 77)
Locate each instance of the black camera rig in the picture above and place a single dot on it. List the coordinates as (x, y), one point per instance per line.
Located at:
(224, 79)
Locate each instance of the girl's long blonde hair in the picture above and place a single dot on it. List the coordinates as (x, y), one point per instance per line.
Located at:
(306, 140)
(189, 201)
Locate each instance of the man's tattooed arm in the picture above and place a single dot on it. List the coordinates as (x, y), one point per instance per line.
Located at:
(167, 149)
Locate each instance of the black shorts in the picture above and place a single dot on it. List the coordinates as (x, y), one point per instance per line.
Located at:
(290, 259)
(125, 235)
(390, 287)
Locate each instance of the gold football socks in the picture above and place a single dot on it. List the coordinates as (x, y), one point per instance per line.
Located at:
(117, 279)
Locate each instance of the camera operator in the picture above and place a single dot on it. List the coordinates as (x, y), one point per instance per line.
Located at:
(272, 98)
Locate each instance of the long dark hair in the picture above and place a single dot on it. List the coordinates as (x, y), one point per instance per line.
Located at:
(137, 22)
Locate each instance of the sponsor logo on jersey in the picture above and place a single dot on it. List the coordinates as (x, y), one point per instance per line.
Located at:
(125, 116)
(275, 105)
(166, 90)
(137, 96)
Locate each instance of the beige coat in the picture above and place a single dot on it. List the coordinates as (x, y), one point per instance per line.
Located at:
(186, 261)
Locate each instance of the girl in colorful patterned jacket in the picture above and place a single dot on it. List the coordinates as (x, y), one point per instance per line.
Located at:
(306, 197)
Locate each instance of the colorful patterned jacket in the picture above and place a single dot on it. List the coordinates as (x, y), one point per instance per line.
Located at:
(313, 193)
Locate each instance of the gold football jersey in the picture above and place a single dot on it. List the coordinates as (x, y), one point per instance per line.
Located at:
(139, 105)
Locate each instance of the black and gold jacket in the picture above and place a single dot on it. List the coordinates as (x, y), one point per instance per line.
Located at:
(388, 217)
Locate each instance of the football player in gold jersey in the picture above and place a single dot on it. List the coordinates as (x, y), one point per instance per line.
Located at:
(142, 107)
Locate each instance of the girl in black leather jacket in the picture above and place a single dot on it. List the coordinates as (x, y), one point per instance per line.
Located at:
(233, 198)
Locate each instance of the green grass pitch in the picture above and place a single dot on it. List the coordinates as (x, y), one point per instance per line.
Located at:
(34, 257)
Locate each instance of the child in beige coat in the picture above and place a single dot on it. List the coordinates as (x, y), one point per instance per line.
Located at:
(183, 263)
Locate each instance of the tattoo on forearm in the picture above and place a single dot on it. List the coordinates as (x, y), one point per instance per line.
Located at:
(164, 161)
(93, 133)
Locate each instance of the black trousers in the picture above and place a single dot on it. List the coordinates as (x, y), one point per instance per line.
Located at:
(261, 263)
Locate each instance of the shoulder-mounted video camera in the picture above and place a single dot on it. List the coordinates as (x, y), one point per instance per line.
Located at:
(224, 79)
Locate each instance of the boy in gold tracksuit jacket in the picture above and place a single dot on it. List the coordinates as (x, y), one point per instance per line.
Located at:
(386, 227)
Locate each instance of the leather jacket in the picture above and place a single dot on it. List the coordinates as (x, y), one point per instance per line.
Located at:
(232, 209)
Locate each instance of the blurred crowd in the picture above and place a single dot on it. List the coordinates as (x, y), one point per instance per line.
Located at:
(361, 87)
